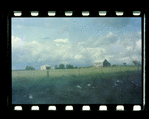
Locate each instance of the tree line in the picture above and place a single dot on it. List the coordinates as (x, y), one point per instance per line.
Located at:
(69, 66)
(61, 66)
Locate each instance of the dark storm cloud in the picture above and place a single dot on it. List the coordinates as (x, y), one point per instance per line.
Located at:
(113, 22)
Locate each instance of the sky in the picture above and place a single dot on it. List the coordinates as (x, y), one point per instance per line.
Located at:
(76, 41)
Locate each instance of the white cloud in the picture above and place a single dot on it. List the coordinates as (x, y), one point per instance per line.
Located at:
(116, 49)
(34, 47)
(61, 40)
(103, 41)
(16, 42)
(138, 44)
(38, 51)
(78, 56)
(128, 47)
(79, 43)
(90, 54)
(109, 35)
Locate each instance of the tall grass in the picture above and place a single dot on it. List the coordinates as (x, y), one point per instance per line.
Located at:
(68, 72)
(77, 74)
(62, 85)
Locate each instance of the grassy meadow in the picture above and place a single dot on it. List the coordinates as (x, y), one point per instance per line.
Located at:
(61, 86)
(68, 72)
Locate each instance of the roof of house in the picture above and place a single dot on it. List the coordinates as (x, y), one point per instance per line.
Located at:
(97, 62)
(46, 65)
(104, 61)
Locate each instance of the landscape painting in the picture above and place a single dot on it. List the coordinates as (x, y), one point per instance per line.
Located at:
(83, 60)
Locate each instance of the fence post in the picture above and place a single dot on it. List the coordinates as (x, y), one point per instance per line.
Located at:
(79, 72)
(18, 74)
(47, 73)
(138, 68)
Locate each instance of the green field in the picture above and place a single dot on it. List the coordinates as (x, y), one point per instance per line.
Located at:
(62, 85)
(69, 72)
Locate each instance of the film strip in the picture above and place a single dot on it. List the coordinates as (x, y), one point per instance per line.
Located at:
(75, 13)
(80, 107)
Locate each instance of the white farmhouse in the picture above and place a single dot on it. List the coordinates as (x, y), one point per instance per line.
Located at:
(98, 64)
(45, 67)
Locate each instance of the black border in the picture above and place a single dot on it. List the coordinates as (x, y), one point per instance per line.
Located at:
(9, 107)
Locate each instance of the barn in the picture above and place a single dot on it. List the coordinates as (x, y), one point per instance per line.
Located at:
(105, 63)
(45, 67)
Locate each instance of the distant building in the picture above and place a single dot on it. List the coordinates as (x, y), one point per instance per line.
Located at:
(105, 63)
(113, 65)
(45, 67)
(98, 64)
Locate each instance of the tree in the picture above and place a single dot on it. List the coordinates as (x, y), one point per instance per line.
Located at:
(137, 63)
(124, 63)
(29, 68)
(56, 67)
(68, 66)
(72, 67)
(89, 66)
(75, 67)
(61, 66)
